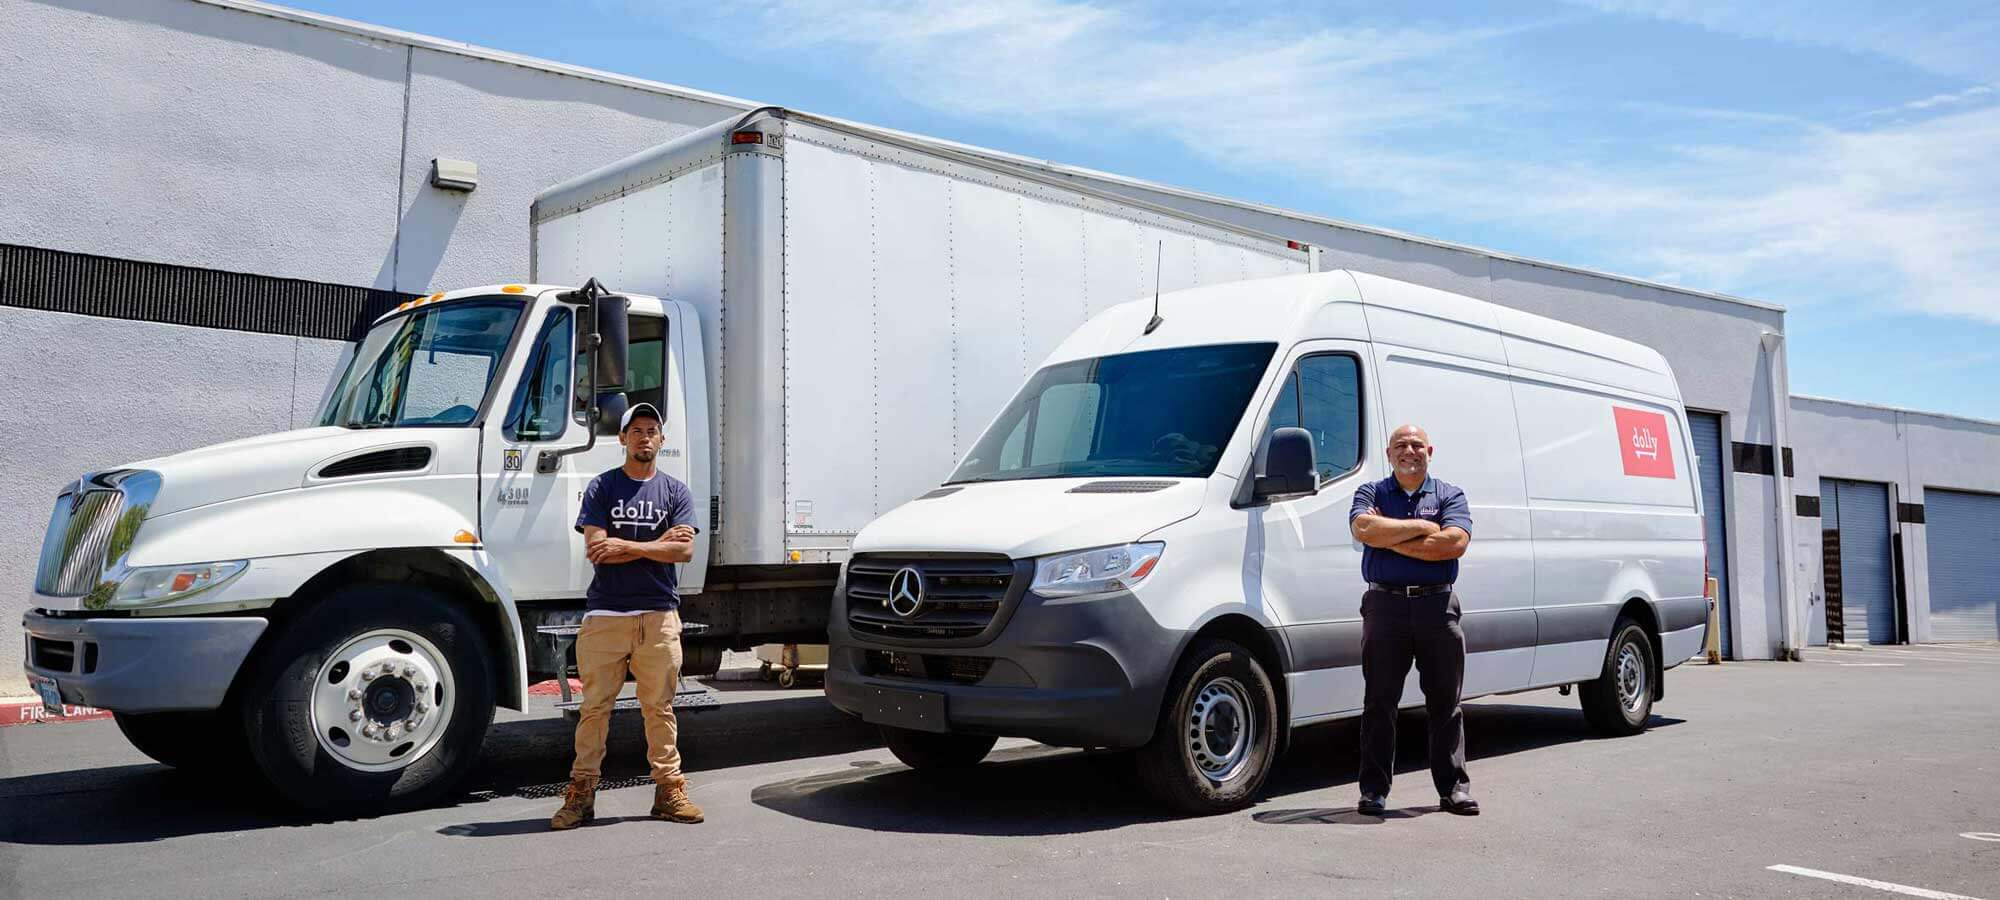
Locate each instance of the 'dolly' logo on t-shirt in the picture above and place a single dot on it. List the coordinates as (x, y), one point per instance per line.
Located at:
(1643, 444)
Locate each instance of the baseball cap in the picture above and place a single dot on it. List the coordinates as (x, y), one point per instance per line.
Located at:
(639, 409)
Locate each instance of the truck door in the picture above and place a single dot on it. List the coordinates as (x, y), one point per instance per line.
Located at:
(646, 382)
(526, 517)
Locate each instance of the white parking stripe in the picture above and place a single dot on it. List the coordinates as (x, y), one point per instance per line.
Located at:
(1871, 883)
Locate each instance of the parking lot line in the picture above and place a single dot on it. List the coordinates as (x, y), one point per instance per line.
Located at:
(1889, 886)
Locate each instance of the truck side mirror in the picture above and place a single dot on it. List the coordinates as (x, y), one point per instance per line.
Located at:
(1290, 469)
(606, 317)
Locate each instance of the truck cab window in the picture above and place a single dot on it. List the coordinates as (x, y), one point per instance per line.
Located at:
(537, 413)
(646, 368)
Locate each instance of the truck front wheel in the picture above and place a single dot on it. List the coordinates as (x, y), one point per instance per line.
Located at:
(1218, 733)
(377, 697)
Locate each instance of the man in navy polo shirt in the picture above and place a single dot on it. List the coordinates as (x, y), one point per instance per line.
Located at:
(1415, 527)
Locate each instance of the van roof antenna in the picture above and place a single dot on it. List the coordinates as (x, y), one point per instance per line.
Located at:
(1158, 248)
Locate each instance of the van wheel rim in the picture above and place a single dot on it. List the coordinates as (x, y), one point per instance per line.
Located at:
(1631, 679)
(382, 700)
(1220, 730)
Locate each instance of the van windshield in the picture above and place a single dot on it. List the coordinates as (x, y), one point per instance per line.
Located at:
(428, 368)
(1165, 413)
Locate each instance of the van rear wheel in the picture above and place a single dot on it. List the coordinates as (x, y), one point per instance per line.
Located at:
(929, 750)
(1620, 699)
(1218, 732)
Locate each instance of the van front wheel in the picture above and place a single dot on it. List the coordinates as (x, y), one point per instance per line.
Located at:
(1217, 734)
(1620, 700)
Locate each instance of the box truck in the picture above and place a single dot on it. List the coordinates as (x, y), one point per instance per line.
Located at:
(827, 316)
(1149, 548)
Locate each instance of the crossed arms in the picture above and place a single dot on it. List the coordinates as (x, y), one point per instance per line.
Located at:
(676, 546)
(1414, 538)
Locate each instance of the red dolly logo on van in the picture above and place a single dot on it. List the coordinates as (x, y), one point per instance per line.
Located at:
(1642, 442)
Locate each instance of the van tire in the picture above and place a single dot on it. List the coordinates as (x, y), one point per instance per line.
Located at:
(1619, 701)
(280, 696)
(203, 742)
(1217, 688)
(926, 750)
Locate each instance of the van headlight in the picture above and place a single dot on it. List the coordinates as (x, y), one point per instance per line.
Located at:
(160, 584)
(1095, 571)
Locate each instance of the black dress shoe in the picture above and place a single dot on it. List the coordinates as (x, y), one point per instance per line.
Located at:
(1370, 805)
(1459, 803)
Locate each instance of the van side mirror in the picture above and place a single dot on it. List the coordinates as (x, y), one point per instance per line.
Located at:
(1290, 469)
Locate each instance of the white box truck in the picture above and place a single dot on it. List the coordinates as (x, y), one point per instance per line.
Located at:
(1149, 548)
(827, 317)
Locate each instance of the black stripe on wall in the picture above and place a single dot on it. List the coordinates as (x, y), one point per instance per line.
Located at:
(1910, 513)
(1755, 459)
(1808, 505)
(113, 288)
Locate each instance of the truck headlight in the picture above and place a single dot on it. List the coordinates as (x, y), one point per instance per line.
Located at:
(160, 584)
(1095, 571)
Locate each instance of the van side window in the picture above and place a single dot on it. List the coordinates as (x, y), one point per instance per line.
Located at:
(537, 413)
(1329, 390)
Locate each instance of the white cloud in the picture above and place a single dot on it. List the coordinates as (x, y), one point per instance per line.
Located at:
(1954, 38)
(1899, 214)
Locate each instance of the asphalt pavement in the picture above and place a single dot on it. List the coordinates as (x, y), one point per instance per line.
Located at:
(1879, 766)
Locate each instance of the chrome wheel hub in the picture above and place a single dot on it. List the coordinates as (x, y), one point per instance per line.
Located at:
(382, 700)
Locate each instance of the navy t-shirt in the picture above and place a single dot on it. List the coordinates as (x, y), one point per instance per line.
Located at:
(635, 511)
(1437, 500)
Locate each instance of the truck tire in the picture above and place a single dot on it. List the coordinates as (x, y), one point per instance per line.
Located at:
(1619, 701)
(923, 750)
(1218, 732)
(200, 742)
(376, 698)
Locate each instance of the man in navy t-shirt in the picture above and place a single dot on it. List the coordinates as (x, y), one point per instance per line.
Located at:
(637, 522)
(1414, 528)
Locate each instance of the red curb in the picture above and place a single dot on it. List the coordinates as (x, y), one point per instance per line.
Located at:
(550, 688)
(31, 713)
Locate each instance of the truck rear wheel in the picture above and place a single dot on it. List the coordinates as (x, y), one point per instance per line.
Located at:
(929, 750)
(1619, 701)
(378, 697)
(202, 742)
(1217, 735)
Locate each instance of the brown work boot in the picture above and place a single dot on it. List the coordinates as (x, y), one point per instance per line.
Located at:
(673, 805)
(579, 804)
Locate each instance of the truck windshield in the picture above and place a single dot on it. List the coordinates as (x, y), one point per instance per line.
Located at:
(1158, 412)
(428, 368)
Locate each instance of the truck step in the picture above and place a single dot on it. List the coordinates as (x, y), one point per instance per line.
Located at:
(692, 699)
(687, 628)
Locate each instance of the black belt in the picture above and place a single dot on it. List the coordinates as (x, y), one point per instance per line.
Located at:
(1411, 590)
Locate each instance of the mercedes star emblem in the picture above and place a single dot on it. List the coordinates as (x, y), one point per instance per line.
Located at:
(906, 592)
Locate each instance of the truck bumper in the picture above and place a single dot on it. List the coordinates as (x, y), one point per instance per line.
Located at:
(1072, 672)
(139, 665)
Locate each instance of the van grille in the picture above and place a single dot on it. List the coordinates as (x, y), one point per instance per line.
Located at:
(961, 596)
(929, 667)
(78, 541)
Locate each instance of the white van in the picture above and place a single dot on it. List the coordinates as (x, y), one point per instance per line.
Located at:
(1111, 565)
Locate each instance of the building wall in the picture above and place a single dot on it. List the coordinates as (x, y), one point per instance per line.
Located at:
(1907, 450)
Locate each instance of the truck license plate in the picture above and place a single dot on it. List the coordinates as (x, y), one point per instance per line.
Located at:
(915, 710)
(51, 698)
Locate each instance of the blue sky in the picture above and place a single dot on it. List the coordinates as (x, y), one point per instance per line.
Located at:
(1839, 158)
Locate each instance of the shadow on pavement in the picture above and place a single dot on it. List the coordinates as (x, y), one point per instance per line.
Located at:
(522, 757)
(1046, 791)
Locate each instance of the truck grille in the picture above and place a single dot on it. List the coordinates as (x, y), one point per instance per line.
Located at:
(78, 542)
(962, 595)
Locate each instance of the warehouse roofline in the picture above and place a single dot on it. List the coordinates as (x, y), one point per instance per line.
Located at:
(378, 32)
(1881, 407)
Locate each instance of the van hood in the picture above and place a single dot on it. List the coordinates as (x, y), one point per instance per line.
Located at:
(263, 464)
(1033, 517)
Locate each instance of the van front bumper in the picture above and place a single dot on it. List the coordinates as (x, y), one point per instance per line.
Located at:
(139, 665)
(1071, 672)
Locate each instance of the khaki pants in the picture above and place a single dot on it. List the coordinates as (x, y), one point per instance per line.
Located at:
(650, 646)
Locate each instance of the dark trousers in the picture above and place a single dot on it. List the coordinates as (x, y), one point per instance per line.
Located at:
(1395, 631)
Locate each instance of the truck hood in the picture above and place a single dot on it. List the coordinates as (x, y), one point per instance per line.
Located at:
(1033, 517)
(260, 465)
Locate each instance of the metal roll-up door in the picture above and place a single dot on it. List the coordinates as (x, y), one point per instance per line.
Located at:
(1858, 516)
(1963, 531)
(1706, 429)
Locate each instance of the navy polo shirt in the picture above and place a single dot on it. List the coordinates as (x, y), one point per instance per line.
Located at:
(1438, 500)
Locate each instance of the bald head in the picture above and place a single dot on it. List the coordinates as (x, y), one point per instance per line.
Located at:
(1410, 455)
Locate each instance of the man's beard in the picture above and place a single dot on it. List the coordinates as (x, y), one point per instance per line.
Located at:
(644, 455)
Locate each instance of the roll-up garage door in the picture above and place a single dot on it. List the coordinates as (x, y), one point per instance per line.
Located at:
(1856, 516)
(1706, 429)
(1963, 531)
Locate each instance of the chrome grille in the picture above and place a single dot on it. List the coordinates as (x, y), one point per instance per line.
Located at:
(78, 542)
(962, 594)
